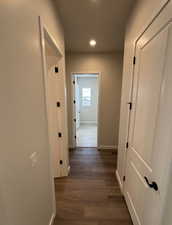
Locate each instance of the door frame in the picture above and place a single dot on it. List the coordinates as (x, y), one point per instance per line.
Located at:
(99, 79)
(154, 15)
(45, 35)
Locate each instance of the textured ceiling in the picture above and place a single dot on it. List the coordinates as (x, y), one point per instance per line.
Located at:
(103, 20)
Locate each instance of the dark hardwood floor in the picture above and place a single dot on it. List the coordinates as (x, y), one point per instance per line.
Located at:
(90, 195)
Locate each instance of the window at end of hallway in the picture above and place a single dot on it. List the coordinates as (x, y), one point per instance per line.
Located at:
(86, 96)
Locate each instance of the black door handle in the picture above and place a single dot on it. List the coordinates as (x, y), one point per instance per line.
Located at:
(151, 185)
(130, 105)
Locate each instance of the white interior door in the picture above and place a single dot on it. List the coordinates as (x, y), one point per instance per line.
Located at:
(77, 101)
(73, 110)
(61, 115)
(56, 118)
(53, 120)
(150, 136)
(56, 110)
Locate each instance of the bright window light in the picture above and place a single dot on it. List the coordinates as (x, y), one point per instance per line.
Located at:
(86, 96)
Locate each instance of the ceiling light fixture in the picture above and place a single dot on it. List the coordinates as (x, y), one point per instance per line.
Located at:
(92, 43)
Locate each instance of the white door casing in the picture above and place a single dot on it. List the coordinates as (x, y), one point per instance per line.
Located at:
(54, 83)
(151, 124)
(74, 113)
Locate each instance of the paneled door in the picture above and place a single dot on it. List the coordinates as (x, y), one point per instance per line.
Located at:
(77, 103)
(74, 111)
(53, 118)
(150, 135)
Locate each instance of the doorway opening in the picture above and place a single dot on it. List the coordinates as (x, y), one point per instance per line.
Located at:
(53, 59)
(85, 112)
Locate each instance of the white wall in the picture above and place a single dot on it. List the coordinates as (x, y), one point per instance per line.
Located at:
(25, 191)
(110, 66)
(142, 13)
(88, 113)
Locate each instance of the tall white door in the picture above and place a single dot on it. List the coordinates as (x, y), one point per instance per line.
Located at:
(74, 113)
(150, 136)
(77, 103)
(53, 119)
(56, 118)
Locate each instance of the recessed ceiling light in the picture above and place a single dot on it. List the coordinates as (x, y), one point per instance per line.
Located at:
(92, 43)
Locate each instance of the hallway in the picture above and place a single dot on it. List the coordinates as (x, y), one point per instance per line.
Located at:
(90, 195)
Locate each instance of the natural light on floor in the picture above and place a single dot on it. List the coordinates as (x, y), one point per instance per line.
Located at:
(87, 135)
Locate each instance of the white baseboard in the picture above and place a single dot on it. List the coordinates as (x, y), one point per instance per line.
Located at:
(107, 147)
(88, 122)
(119, 181)
(103, 147)
(52, 219)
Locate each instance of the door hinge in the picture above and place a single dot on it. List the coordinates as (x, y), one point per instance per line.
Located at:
(75, 136)
(74, 120)
(127, 145)
(60, 134)
(61, 162)
(124, 178)
(74, 101)
(134, 60)
(58, 104)
(130, 105)
(73, 82)
(56, 69)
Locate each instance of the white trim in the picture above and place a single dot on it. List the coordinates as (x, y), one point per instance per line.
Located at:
(104, 147)
(155, 13)
(87, 75)
(98, 108)
(43, 34)
(46, 37)
(132, 210)
(52, 219)
(50, 38)
(88, 122)
(119, 181)
(87, 147)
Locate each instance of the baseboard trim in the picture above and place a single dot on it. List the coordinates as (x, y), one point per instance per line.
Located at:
(104, 147)
(88, 122)
(52, 219)
(119, 181)
(101, 147)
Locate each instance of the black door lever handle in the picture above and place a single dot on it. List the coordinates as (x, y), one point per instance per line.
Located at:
(151, 185)
(130, 105)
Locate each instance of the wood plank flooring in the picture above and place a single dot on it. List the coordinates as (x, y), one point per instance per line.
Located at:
(90, 195)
